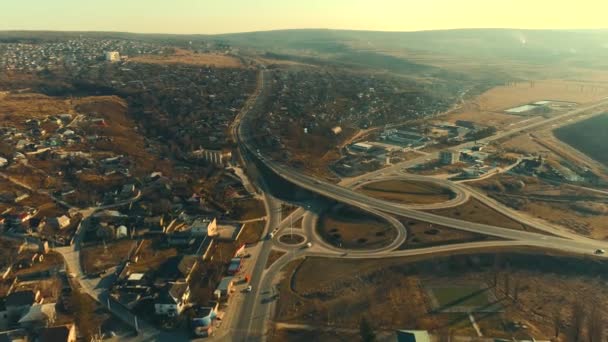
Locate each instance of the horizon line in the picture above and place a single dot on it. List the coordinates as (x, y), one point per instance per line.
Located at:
(305, 29)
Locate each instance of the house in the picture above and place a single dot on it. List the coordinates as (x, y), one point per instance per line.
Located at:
(3, 162)
(3, 315)
(127, 190)
(65, 117)
(202, 227)
(224, 288)
(180, 238)
(413, 336)
(121, 232)
(62, 333)
(202, 323)
(466, 124)
(172, 300)
(361, 147)
(18, 303)
(5, 272)
(235, 266)
(37, 224)
(60, 222)
(21, 197)
(39, 315)
(18, 335)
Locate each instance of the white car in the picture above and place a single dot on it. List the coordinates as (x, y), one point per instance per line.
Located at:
(308, 244)
(249, 288)
(600, 251)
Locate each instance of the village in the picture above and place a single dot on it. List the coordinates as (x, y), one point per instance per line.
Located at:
(165, 248)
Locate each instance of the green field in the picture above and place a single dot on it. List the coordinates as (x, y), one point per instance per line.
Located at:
(588, 136)
(463, 299)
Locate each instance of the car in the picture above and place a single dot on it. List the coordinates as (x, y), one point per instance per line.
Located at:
(249, 288)
(600, 251)
(308, 244)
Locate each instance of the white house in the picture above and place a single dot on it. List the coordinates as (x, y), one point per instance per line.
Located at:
(172, 301)
(39, 315)
(122, 232)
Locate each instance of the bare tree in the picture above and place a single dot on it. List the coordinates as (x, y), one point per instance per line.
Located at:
(557, 322)
(516, 289)
(577, 321)
(595, 324)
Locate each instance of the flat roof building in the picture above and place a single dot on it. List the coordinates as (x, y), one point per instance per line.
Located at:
(449, 157)
(112, 56)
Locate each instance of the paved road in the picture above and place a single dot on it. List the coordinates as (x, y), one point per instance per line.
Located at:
(460, 196)
(256, 314)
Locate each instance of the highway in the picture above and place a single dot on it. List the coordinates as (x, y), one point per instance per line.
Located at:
(257, 310)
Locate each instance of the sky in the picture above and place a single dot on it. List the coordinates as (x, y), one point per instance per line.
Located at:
(226, 16)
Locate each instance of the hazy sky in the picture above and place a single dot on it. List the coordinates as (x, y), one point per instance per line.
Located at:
(217, 16)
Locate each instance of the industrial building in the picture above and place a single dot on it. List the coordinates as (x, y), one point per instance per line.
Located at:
(112, 56)
(449, 157)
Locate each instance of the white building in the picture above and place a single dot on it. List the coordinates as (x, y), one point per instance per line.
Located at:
(112, 56)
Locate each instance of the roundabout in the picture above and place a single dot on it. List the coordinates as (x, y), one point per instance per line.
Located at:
(292, 239)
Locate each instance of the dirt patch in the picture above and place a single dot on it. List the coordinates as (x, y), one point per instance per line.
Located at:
(150, 256)
(291, 239)
(252, 232)
(98, 258)
(409, 192)
(16, 108)
(475, 211)
(187, 57)
(350, 228)
(272, 257)
(421, 234)
(249, 209)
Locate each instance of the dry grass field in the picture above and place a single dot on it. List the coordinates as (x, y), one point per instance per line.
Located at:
(274, 256)
(98, 258)
(421, 234)
(187, 57)
(151, 255)
(487, 108)
(16, 108)
(408, 192)
(475, 211)
(578, 210)
(394, 292)
(504, 97)
(351, 228)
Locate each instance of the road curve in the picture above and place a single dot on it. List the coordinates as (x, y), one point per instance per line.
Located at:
(460, 195)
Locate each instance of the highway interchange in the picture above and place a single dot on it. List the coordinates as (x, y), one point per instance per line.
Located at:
(257, 308)
(247, 319)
